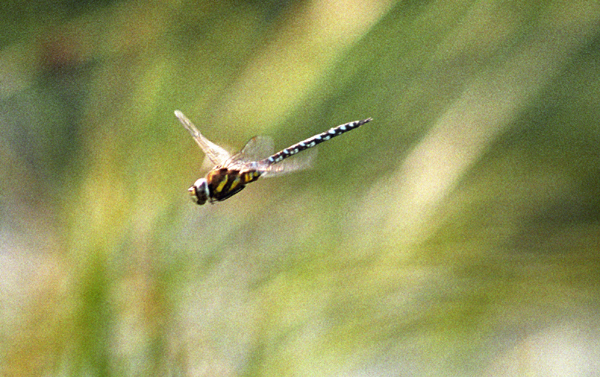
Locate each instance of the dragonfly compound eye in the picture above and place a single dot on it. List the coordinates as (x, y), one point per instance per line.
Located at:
(199, 191)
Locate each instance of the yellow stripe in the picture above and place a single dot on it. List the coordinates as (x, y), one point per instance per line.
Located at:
(235, 182)
(222, 184)
(250, 176)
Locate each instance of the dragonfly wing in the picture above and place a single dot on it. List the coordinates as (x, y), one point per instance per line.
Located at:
(293, 164)
(216, 154)
(255, 149)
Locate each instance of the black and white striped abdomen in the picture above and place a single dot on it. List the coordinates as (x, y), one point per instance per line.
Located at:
(314, 140)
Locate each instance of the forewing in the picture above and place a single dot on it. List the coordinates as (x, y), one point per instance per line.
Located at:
(216, 154)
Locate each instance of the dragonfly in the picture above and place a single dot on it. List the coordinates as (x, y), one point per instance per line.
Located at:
(231, 173)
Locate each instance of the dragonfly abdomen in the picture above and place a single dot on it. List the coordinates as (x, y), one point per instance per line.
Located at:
(314, 140)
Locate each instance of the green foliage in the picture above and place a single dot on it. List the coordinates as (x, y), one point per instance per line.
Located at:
(455, 234)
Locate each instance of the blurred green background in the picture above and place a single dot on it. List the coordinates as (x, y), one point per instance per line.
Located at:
(457, 234)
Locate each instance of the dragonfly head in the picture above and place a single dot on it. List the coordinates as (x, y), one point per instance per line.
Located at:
(199, 191)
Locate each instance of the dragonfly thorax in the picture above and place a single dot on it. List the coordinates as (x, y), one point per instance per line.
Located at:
(199, 191)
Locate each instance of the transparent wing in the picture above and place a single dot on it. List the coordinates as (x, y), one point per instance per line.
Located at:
(296, 163)
(255, 149)
(216, 154)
